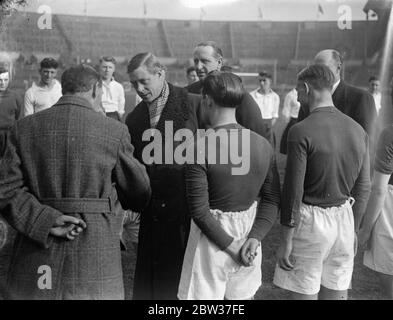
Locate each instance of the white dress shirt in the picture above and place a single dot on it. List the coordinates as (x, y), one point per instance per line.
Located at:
(113, 99)
(377, 99)
(268, 103)
(291, 105)
(40, 98)
(335, 86)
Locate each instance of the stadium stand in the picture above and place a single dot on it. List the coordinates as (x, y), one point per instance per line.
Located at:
(281, 47)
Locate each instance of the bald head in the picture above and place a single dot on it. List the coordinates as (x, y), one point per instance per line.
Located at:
(332, 59)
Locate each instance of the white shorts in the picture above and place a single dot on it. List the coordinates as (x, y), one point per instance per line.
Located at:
(323, 251)
(380, 255)
(210, 273)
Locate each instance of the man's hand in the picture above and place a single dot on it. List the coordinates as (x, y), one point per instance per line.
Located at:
(249, 251)
(234, 250)
(285, 249)
(67, 227)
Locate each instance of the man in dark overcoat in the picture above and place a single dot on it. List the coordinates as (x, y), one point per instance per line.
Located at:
(57, 180)
(208, 57)
(165, 223)
(354, 102)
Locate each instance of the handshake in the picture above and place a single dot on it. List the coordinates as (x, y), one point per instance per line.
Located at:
(67, 227)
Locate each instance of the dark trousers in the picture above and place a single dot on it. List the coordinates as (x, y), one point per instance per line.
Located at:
(284, 137)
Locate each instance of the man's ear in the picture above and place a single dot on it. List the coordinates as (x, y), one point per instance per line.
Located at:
(220, 63)
(161, 74)
(307, 88)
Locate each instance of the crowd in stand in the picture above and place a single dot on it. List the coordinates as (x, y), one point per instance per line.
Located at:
(77, 176)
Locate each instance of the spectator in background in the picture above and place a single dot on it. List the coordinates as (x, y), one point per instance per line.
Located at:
(47, 92)
(268, 101)
(192, 75)
(290, 111)
(10, 107)
(375, 89)
(208, 57)
(112, 92)
(10, 111)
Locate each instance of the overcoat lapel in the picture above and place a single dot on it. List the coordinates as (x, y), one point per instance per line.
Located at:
(175, 110)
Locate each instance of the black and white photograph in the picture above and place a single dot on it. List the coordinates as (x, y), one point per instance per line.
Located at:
(196, 150)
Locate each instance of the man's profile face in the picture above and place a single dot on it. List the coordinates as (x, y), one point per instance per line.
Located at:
(148, 85)
(192, 77)
(374, 86)
(48, 75)
(205, 61)
(4, 81)
(107, 69)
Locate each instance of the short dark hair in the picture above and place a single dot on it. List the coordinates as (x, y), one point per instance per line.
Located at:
(3, 69)
(80, 78)
(373, 78)
(265, 74)
(49, 63)
(226, 68)
(225, 88)
(217, 50)
(108, 59)
(146, 59)
(318, 76)
(190, 69)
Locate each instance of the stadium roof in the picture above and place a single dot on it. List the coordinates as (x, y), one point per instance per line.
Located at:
(228, 10)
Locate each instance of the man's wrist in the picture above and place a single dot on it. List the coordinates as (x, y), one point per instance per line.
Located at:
(287, 233)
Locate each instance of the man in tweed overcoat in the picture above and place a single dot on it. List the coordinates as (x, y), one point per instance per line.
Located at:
(57, 182)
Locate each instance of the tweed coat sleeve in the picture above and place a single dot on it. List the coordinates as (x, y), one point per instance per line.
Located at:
(132, 181)
(20, 208)
(19, 107)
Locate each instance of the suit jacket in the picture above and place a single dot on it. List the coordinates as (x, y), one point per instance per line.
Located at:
(165, 222)
(248, 114)
(354, 102)
(68, 152)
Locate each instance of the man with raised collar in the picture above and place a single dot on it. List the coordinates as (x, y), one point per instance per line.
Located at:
(165, 223)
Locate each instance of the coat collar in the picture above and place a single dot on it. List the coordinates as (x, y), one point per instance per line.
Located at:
(74, 100)
(339, 90)
(175, 110)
